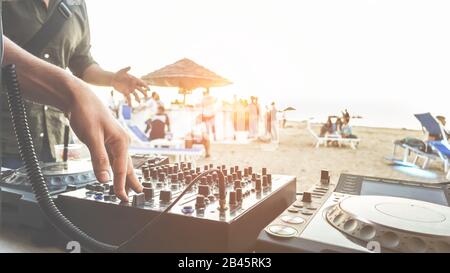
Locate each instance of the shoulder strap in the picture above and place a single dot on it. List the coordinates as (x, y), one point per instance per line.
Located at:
(50, 28)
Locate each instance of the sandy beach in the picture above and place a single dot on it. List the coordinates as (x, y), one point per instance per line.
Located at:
(296, 155)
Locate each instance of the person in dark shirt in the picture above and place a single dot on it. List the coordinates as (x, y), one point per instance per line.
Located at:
(157, 124)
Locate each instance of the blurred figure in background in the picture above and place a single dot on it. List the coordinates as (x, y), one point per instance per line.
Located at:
(446, 132)
(346, 129)
(268, 122)
(208, 112)
(198, 135)
(154, 102)
(157, 124)
(253, 109)
(273, 122)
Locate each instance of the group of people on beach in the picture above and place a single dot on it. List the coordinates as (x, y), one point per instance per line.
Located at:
(248, 117)
(339, 128)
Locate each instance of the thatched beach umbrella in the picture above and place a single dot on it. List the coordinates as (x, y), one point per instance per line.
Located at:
(186, 75)
(289, 109)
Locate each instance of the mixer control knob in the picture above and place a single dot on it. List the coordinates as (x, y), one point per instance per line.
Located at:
(162, 177)
(258, 185)
(264, 171)
(148, 193)
(265, 181)
(307, 197)
(239, 174)
(200, 201)
(147, 185)
(250, 170)
(180, 176)
(165, 196)
(173, 178)
(188, 179)
(324, 177)
(237, 184)
(239, 195)
(203, 181)
(245, 172)
(209, 179)
(269, 179)
(232, 198)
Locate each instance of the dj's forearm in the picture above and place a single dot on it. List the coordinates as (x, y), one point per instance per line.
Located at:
(40, 81)
(96, 75)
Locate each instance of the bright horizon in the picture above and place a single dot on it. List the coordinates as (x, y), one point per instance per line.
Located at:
(384, 60)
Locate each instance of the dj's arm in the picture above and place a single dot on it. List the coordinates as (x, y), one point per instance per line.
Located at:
(121, 81)
(89, 118)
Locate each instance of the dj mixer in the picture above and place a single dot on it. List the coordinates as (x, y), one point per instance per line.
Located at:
(204, 219)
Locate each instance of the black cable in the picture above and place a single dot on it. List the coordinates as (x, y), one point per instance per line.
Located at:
(157, 218)
(28, 156)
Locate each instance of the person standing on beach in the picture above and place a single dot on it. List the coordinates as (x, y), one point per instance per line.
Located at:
(273, 122)
(208, 112)
(253, 109)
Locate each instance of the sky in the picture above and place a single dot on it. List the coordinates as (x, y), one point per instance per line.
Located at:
(383, 60)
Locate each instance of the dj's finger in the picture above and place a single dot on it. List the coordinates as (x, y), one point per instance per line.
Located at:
(143, 89)
(132, 181)
(136, 96)
(128, 98)
(100, 161)
(119, 158)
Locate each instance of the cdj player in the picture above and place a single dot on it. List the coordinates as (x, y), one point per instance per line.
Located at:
(363, 214)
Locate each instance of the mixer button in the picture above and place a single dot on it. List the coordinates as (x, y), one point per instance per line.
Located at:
(292, 219)
(298, 205)
(165, 196)
(100, 188)
(98, 196)
(307, 212)
(187, 209)
(174, 187)
(282, 231)
(138, 200)
(293, 210)
(200, 201)
(149, 193)
(307, 197)
(203, 190)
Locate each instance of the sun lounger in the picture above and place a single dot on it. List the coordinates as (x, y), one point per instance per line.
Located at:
(353, 142)
(439, 149)
(142, 145)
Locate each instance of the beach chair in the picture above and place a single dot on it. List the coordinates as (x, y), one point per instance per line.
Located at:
(439, 149)
(142, 145)
(352, 142)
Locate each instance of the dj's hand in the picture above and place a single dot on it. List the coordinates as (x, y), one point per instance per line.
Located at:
(90, 119)
(106, 140)
(127, 84)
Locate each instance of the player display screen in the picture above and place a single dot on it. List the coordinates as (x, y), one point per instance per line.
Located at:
(436, 196)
